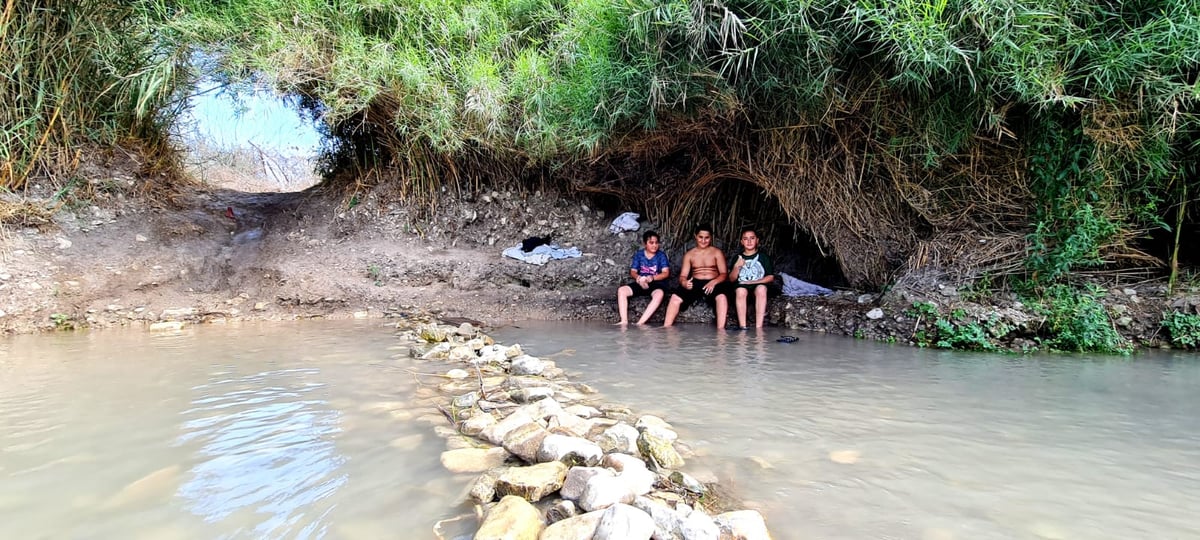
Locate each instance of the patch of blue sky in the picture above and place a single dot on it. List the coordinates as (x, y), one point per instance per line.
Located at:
(244, 116)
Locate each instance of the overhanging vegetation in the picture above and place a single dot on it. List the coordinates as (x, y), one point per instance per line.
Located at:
(1030, 137)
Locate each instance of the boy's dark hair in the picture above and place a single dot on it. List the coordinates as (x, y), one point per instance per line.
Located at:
(703, 227)
(746, 229)
(646, 236)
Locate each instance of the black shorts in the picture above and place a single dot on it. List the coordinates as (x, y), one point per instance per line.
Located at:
(690, 296)
(660, 285)
(772, 291)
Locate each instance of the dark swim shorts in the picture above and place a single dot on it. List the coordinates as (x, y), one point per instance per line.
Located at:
(654, 286)
(697, 292)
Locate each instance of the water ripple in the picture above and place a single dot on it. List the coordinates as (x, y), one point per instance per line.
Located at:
(268, 450)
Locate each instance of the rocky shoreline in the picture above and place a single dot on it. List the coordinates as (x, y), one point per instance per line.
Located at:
(555, 462)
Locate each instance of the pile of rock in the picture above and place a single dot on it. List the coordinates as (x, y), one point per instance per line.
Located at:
(562, 465)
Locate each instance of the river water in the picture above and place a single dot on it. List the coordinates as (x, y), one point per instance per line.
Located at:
(307, 430)
(295, 430)
(836, 438)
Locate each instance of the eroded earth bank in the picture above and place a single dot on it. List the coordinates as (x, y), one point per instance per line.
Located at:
(202, 255)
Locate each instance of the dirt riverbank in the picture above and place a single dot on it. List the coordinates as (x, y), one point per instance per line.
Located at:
(212, 255)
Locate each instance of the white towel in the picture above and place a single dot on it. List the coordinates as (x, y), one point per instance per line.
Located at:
(625, 222)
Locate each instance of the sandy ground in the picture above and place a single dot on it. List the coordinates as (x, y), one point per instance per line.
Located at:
(217, 254)
(220, 254)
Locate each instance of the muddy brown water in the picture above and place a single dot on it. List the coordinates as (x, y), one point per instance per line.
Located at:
(837, 438)
(285, 430)
(307, 430)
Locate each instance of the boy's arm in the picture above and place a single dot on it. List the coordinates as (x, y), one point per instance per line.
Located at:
(686, 271)
(768, 270)
(722, 274)
(737, 268)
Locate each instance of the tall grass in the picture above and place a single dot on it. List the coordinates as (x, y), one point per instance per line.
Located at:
(77, 72)
(913, 97)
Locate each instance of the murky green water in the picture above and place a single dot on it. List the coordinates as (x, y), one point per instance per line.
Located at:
(305, 430)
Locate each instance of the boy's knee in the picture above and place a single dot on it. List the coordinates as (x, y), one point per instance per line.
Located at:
(741, 292)
(656, 294)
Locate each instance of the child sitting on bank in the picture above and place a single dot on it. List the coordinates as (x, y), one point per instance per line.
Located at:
(649, 270)
(752, 272)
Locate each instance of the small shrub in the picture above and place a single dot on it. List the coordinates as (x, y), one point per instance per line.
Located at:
(967, 336)
(928, 310)
(62, 321)
(1184, 329)
(1078, 322)
(979, 290)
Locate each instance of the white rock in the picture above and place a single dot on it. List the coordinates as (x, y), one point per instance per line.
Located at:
(681, 522)
(583, 411)
(577, 479)
(603, 491)
(461, 353)
(571, 450)
(511, 518)
(624, 522)
(619, 438)
(476, 424)
(875, 314)
(581, 527)
(569, 423)
(649, 420)
(495, 434)
(743, 525)
(175, 313)
(527, 365)
(168, 326)
(473, 460)
(457, 374)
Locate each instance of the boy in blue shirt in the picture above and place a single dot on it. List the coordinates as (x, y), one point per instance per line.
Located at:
(649, 270)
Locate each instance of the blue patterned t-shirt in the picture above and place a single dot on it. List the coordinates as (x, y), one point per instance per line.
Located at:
(651, 266)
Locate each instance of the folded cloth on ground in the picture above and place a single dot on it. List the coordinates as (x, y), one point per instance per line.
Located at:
(625, 222)
(796, 287)
(541, 254)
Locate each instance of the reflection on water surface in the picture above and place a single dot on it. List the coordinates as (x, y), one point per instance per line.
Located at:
(838, 438)
(302, 430)
(296, 430)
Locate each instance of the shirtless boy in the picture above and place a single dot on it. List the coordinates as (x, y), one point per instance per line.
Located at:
(702, 276)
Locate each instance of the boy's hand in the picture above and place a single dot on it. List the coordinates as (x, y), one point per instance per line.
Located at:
(688, 284)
